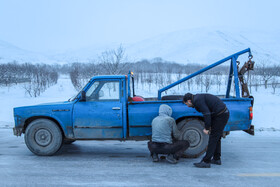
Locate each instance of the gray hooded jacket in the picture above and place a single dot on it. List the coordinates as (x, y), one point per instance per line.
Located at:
(163, 126)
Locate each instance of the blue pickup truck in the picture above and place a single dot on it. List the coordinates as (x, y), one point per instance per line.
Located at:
(108, 109)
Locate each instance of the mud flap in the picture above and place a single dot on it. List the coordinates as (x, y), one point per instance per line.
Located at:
(17, 131)
(251, 130)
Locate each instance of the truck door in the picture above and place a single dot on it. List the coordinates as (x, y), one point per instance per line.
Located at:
(100, 116)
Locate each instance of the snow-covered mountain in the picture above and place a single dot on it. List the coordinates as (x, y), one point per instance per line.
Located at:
(10, 53)
(207, 46)
(202, 46)
(86, 54)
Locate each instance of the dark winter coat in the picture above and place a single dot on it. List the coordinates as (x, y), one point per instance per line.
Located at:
(209, 105)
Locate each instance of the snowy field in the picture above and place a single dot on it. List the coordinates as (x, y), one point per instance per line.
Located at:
(266, 107)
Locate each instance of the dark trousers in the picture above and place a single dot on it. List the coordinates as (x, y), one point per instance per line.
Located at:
(177, 148)
(214, 144)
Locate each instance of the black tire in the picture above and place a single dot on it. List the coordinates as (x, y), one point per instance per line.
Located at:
(43, 137)
(192, 130)
(68, 141)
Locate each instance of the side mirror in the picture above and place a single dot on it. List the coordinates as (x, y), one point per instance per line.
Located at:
(83, 96)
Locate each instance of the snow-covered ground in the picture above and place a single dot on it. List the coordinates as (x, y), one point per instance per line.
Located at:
(266, 108)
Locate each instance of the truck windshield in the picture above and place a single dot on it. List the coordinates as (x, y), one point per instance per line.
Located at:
(76, 96)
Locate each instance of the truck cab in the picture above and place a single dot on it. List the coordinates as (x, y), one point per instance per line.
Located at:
(100, 111)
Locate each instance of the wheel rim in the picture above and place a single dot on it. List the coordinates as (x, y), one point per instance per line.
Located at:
(43, 137)
(193, 136)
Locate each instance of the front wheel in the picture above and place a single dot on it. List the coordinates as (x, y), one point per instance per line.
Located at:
(192, 130)
(43, 137)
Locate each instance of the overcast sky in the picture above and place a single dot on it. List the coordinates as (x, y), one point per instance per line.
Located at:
(54, 25)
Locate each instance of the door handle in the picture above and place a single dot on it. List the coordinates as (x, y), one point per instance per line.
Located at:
(116, 108)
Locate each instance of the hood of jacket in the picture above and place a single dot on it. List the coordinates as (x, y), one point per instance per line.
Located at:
(165, 110)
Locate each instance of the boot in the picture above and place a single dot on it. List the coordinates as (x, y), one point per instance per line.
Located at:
(171, 159)
(217, 162)
(202, 164)
(177, 156)
(155, 157)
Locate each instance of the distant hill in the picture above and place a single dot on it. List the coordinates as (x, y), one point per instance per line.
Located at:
(207, 46)
(203, 46)
(10, 53)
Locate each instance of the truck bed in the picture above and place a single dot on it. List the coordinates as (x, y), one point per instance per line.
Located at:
(141, 114)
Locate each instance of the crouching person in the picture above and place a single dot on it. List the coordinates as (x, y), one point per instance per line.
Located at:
(163, 129)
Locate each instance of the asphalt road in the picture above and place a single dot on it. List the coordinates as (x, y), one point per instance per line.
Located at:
(247, 161)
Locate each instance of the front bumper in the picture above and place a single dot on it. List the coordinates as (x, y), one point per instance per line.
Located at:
(17, 131)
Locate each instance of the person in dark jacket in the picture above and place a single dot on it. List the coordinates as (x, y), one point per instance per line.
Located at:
(164, 129)
(216, 116)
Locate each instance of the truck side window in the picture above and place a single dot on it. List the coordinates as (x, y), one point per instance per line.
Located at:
(110, 91)
(103, 91)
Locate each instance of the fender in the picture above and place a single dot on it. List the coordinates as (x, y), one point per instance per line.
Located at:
(67, 130)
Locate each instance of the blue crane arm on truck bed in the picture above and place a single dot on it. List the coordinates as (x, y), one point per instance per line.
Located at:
(103, 110)
(233, 68)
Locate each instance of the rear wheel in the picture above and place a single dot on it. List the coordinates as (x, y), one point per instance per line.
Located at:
(192, 130)
(43, 137)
